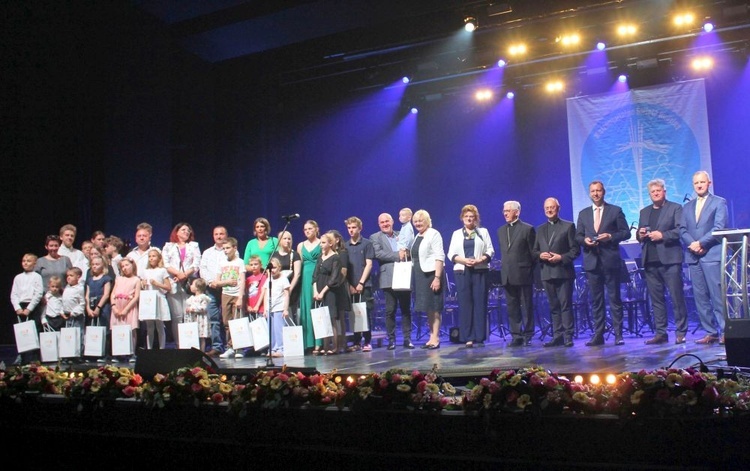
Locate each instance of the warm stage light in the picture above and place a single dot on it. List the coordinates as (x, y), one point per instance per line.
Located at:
(517, 49)
(611, 379)
(684, 19)
(578, 379)
(470, 23)
(569, 40)
(627, 30)
(702, 63)
(555, 86)
(594, 379)
(483, 95)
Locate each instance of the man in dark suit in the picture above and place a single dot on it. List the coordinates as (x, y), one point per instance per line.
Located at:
(556, 249)
(385, 243)
(700, 217)
(599, 230)
(517, 272)
(661, 255)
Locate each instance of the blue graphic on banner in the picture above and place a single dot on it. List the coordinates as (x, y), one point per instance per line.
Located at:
(635, 144)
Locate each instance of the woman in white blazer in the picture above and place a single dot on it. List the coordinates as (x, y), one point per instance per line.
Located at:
(470, 251)
(428, 257)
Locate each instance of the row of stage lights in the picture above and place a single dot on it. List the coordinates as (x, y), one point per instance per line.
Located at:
(571, 41)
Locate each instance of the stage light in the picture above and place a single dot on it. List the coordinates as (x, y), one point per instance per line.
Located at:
(708, 27)
(600, 46)
(684, 19)
(625, 30)
(622, 78)
(578, 379)
(483, 95)
(594, 379)
(702, 63)
(517, 49)
(405, 79)
(510, 95)
(611, 379)
(501, 63)
(414, 110)
(555, 86)
(569, 40)
(470, 24)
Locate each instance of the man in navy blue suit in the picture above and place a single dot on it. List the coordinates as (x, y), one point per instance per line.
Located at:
(599, 230)
(661, 254)
(701, 216)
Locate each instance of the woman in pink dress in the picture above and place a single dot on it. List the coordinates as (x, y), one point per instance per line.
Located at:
(124, 299)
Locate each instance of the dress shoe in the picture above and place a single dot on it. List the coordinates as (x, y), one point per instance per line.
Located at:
(517, 342)
(707, 340)
(619, 340)
(553, 343)
(679, 340)
(568, 343)
(429, 346)
(657, 339)
(213, 353)
(408, 345)
(595, 341)
(391, 345)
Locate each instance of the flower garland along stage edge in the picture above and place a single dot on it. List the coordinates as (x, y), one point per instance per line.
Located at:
(533, 390)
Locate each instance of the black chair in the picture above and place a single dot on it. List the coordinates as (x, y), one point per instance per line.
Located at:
(636, 304)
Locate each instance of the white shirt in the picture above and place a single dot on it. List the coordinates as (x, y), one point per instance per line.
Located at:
(73, 301)
(27, 288)
(211, 261)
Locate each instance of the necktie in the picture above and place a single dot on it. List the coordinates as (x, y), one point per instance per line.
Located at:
(699, 207)
(597, 218)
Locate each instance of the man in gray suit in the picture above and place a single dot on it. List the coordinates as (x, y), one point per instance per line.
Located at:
(385, 244)
(700, 218)
(661, 256)
(556, 249)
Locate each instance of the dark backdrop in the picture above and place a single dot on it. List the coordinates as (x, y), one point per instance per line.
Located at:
(105, 124)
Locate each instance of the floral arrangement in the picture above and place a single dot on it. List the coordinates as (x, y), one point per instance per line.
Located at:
(657, 393)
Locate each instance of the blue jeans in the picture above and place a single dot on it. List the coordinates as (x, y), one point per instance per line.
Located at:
(214, 320)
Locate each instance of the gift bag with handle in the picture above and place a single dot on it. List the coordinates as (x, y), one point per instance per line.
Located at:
(27, 337)
(70, 342)
(122, 340)
(239, 332)
(95, 339)
(48, 344)
(321, 321)
(360, 323)
(401, 276)
(188, 335)
(293, 339)
(259, 329)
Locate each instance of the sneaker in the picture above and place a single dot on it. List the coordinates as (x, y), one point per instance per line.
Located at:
(239, 354)
(229, 353)
(367, 348)
(101, 360)
(132, 359)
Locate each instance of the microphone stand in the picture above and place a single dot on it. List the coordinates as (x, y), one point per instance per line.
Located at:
(268, 269)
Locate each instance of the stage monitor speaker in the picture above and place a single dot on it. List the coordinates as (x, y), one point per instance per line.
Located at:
(150, 362)
(737, 338)
(454, 334)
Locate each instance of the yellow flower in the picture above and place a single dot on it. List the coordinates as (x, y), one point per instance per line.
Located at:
(635, 398)
(449, 389)
(431, 388)
(523, 401)
(515, 380)
(650, 379)
(403, 388)
(205, 383)
(581, 397)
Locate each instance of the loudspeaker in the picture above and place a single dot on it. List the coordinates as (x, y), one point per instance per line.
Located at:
(454, 334)
(737, 338)
(150, 362)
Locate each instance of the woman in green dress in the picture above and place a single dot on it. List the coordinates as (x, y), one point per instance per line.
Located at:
(309, 252)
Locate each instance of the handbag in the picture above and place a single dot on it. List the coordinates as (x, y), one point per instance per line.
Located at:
(187, 282)
(401, 276)
(122, 340)
(27, 337)
(239, 332)
(94, 340)
(48, 345)
(292, 338)
(360, 322)
(259, 330)
(321, 321)
(70, 342)
(187, 333)
(148, 305)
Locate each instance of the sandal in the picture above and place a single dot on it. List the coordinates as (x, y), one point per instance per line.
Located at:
(316, 351)
(330, 352)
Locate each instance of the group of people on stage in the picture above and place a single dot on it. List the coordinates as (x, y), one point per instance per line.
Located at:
(98, 285)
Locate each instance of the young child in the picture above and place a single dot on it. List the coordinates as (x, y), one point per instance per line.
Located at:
(97, 294)
(196, 310)
(53, 312)
(256, 283)
(406, 234)
(25, 296)
(74, 302)
(276, 300)
(113, 249)
(155, 277)
(124, 299)
(231, 280)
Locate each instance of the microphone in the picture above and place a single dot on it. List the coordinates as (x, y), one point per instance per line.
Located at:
(291, 217)
(686, 198)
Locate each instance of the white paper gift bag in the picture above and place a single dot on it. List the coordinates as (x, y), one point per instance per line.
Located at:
(321, 321)
(95, 340)
(401, 276)
(27, 337)
(70, 342)
(48, 345)
(188, 335)
(259, 329)
(360, 323)
(122, 340)
(239, 332)
(148, 305)
(293, 339)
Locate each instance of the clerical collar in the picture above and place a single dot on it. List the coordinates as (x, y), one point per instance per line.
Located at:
(554, 221)
(514, 222)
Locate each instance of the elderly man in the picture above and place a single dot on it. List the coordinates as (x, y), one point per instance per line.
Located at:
(517, 240)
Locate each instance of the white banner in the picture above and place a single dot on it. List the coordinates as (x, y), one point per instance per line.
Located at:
(627, 139)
